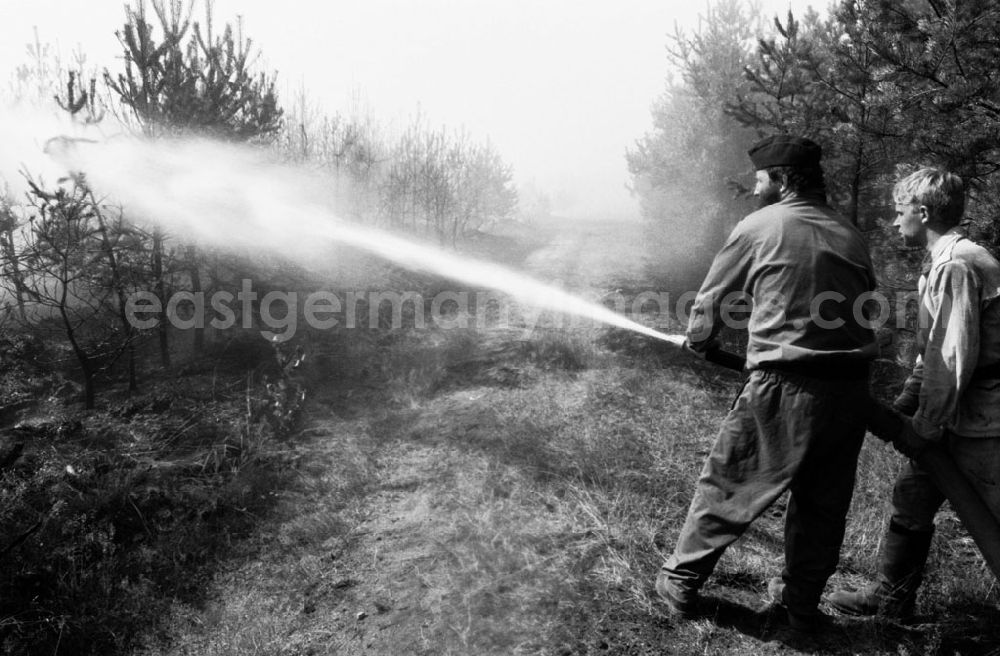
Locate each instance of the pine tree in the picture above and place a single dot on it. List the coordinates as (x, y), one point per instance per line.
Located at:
(689, 170)
(187, 80)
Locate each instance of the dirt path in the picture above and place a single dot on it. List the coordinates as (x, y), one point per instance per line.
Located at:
(387, 604)
(345, 566)
(368, 555)
(381, 548)
(403, 595)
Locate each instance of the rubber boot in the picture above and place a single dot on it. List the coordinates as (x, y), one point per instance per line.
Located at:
(901, 567)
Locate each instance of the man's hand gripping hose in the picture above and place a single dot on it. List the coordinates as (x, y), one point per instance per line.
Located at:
(713, 354)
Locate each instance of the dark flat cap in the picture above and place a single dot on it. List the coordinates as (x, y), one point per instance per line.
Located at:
(785, 150)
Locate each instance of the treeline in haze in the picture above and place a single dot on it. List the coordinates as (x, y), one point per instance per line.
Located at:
(880, 84)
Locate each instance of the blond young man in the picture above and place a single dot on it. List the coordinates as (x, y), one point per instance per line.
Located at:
(953, 393)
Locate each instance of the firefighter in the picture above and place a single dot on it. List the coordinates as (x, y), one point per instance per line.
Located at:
(953, 393)
(794, 425)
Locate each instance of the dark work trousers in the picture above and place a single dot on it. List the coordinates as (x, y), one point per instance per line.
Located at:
(915, 498)
(784, 431)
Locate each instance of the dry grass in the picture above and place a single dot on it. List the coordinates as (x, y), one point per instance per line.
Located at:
(509, 497)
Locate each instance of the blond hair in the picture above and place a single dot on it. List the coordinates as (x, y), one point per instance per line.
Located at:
(940, 191)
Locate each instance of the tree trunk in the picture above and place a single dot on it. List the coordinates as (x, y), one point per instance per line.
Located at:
(196, 288)
(162, 328)
(15, 273)
(86, 364)
(853, 209)
(116, 281)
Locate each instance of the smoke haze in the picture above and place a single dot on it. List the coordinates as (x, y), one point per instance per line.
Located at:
(230, 196)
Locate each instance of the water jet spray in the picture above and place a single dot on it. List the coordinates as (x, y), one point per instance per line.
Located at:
(176, 183)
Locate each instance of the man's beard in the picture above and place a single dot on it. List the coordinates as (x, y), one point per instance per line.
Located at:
(769, 197)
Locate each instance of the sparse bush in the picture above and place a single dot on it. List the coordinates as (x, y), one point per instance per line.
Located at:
(109, 518)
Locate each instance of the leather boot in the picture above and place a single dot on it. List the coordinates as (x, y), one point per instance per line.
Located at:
(682, 603)
(901, 568)
(805, 622)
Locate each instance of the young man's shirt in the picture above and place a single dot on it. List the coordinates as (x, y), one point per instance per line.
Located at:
(958, 336)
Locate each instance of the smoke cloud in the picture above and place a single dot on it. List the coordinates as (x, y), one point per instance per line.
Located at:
(235, 196)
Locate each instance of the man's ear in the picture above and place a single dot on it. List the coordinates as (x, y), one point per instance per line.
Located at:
(925, 215)
(784, 183)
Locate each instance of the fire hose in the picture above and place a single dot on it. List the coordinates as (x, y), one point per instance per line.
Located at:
(887, 425)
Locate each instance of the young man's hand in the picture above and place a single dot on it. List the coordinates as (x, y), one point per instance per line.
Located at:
(909, 442)
(906, 403)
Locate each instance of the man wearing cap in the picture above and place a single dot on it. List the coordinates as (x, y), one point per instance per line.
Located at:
(795, 424)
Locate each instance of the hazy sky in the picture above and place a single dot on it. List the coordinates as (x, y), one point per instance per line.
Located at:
(561, 87)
